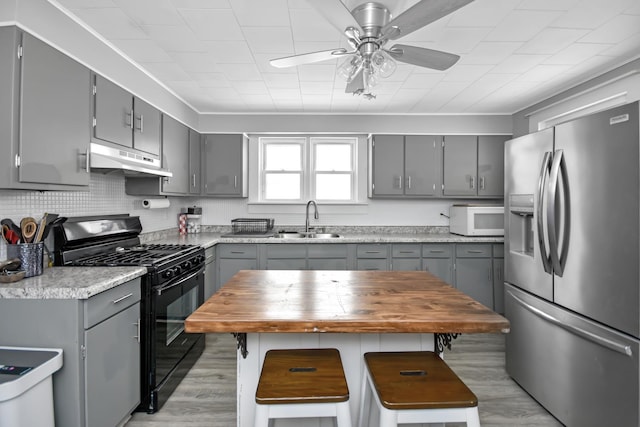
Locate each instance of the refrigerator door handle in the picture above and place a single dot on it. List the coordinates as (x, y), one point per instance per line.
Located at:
(588, 335)
(558, 256)
(542, 181)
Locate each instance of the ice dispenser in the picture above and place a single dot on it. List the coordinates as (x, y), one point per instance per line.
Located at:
(521, 224)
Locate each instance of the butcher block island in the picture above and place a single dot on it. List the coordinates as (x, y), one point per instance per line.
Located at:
(353, 311)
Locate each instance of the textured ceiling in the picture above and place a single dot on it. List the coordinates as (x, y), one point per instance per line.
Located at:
(214, 54)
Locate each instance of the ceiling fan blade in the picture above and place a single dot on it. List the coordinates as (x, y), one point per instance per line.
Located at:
(420, 14)
(357, 84)
(336, 13)
(309, 58)
(423, 57)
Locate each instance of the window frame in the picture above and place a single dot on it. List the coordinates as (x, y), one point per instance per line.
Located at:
(308, 172)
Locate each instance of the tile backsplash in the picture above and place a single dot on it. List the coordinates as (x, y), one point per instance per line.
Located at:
(106, 195)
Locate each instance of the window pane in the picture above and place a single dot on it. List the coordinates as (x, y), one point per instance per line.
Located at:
(333, 186)
(282, 186)
(283, 157)
(333, 157)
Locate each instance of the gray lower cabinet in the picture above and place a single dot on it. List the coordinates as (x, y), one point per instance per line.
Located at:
(99, 383)
(44, 108)
(327, 256)
(286, 257)
(372, 256)
(232, 258)
(498, 278)
(211, 285)
(474, 272)
(406, 257)
(437, 258)
(225, 165)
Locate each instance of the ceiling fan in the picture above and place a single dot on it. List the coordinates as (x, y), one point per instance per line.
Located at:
(368, 28)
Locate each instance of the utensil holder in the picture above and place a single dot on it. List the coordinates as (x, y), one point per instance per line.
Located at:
(30, 256)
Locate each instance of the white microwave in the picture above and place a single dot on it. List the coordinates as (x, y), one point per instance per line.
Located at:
(476, 220)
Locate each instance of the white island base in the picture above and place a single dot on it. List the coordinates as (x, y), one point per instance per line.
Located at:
(351, 347)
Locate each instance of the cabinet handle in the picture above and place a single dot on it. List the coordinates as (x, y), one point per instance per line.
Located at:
(406, 252)
(482, 183)
(474, 251)
(409, 182)
(86, 159)
(141, 120)
(137, 336)
(400, 181)
(115, 301)
(472, 183)
(131, 119)
(371, 252)
(237, 252)
(194, 180)
(235, 181)
(436, 251)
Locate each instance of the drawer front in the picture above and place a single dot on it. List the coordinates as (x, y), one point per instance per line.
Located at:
(405, 251)
(498, 251)
(473, 251)
(372, 264)
(286, 251)
(107, 303)
(238, 251)
(372, 251)
(327, 250)
(440, 250)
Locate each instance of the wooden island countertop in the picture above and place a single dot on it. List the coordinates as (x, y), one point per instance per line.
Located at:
(306, 301)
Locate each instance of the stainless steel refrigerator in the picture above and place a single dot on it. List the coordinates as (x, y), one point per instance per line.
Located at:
(572, 267)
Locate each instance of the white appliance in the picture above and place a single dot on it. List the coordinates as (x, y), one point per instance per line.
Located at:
(476, 220)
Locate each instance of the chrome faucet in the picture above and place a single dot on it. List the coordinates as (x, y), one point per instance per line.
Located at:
(316, 216)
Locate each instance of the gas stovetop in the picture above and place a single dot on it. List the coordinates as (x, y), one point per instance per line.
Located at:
(145, 255)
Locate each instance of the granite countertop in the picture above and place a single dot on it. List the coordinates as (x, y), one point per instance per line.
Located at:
(70, 282)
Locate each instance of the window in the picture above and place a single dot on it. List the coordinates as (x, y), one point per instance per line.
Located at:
(296, 169)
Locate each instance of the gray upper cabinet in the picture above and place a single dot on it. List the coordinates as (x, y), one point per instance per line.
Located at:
(175, 156)
(123, 119)
(407, 166)
(474, 166)
(491, 165)
(44, 108)
(195, 162)
(226, 163)
(460, 155)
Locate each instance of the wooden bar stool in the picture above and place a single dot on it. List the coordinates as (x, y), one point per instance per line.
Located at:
(414, 387)
(306, 383)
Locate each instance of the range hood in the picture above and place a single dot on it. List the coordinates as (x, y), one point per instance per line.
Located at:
(133, 163)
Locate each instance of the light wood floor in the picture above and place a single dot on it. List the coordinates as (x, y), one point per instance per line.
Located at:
(477, 359)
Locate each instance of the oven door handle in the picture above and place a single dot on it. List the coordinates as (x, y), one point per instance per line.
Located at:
(159, 291)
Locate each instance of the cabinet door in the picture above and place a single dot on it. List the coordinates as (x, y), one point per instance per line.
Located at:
(406, 264)
(460, 165)
(491, 165)
(146, 127)
(54, 115)
(387, 165)
(113, 113)
(439, 267)
(474, 277)
(210, 282)
(112, 368)
(498, 285)
(227, 267)
(175, 156)
(225, 165)
(195, 159)
(422, 165)
(327, 263)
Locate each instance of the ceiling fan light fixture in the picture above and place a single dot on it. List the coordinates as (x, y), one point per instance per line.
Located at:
(383, 64)
(350, 67)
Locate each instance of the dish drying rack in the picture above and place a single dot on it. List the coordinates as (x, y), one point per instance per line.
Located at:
(241, 226)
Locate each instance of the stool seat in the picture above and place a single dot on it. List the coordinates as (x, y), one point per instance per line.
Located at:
(415, 387)
(302, 383)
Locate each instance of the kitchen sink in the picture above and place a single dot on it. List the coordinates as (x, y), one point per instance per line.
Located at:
(306, 236)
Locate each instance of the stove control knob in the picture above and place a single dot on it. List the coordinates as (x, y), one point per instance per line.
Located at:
(186, 265)
(176, 270)
(167, 274)
(199, 259)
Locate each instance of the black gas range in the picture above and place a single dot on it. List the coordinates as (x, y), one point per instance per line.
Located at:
(172, 289)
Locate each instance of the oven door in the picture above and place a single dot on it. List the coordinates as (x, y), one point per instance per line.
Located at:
(174, 302)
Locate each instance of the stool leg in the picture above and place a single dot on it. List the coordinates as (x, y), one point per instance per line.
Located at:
(365, 400)
(343, 414)
(473, 419)
(261, 416)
